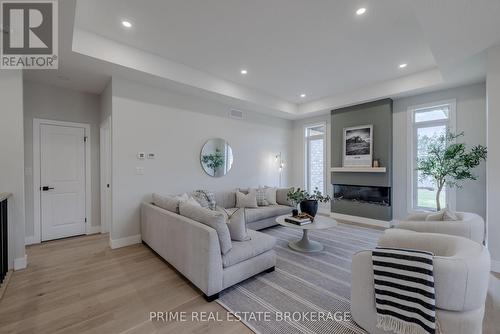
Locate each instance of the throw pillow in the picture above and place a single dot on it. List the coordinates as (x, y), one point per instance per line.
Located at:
(438, 216)
(282, 196)
(213, 219)
(205, 198)
(449, 215)
(182, 198)
(271, 195)
(261, 197)
(236, 223)
(243, 190)
(168, 203)
(246, 201)
(192, 201)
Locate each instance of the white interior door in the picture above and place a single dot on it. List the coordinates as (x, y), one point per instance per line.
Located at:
(62, 176)
(105, 143)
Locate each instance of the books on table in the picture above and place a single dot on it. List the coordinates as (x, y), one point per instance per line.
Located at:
(298, 221)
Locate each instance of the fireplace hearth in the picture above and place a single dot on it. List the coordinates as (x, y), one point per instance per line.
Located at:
(362, 194)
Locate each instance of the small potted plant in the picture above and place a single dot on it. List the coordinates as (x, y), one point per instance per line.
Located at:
(308, 202)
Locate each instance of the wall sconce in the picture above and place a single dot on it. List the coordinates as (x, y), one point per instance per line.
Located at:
(281, 162)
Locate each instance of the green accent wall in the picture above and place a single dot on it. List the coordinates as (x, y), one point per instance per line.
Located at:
(378, 114)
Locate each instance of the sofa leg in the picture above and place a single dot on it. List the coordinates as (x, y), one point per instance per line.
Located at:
(270, 270)
(211, 298)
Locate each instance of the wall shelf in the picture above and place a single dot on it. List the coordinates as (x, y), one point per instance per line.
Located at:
(358, 169)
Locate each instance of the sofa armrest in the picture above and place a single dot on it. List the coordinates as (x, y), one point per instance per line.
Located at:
(417, 216)
(191, 247)
(467, 229)
(363, 309)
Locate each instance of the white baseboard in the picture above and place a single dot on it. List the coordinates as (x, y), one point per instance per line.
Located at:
(21, 263)
(495, 266)
(31, 240)
(123, 242)
(360, 220)
(94, 229)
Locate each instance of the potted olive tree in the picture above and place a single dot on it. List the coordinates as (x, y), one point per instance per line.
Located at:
(308, 202)
(449, 163)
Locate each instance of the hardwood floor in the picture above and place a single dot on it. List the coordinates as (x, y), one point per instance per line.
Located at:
(79, 285)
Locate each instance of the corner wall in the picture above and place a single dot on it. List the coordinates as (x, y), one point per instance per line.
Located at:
(12, 161)
(175, 127)
(493, 162)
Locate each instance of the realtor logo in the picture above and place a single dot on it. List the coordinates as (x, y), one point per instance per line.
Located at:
(29, 35)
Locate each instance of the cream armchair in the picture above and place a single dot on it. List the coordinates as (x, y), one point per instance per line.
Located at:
(461, 275)
(469, 225)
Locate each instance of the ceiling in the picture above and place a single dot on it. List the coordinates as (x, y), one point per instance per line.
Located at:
(320, 48)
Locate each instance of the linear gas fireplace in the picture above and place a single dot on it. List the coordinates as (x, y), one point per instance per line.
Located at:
(362, 194)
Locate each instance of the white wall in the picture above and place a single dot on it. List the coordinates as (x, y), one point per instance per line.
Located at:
(493, 162)
(471, 119)
(299, 155)
(55, 103)
(175, 127)
(12, 160)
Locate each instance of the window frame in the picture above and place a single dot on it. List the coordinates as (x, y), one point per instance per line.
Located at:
(412, 175)
(307, 141)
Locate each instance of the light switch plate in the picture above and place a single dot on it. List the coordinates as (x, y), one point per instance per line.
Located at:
(139, 170)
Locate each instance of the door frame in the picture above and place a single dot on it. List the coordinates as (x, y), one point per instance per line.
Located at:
(105, 166)
(37, 123)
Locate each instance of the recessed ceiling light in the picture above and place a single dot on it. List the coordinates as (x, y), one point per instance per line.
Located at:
(361, 11)
(244, 72)
(303, 95)
(126, 24)
(403, 65)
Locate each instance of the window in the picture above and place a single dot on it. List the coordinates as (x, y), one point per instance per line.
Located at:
(427, 122)
(315, 157)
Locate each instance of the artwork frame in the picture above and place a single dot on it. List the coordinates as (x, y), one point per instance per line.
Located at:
(358, 146)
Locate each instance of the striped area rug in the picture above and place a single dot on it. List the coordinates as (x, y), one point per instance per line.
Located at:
(309, 287)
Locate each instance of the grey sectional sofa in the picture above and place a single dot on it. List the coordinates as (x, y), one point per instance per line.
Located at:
(261, 217)
(193, 248)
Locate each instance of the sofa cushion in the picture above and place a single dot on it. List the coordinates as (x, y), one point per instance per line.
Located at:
(282, 196)
(169, 203)
(271, 195)
(236, 222)
(264, 212)
(214, 219)
(225, 199)
(205, 198)
(261, 197)
(244, 250)
(449, 215)
(246, 201)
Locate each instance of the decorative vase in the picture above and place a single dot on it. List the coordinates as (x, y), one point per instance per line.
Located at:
(309, 206)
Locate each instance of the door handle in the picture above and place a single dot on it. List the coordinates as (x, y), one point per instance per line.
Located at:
(46, 188)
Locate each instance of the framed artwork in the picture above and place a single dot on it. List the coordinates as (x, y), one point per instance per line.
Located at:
(358, 146)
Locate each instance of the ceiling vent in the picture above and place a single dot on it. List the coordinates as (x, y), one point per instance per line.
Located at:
(237, 114)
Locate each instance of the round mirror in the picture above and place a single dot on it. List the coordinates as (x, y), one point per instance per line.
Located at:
(216, 157)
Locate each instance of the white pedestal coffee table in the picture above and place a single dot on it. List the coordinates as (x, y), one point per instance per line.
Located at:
(306, 245)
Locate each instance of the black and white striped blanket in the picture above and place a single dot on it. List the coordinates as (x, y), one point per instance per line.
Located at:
(404, 290)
